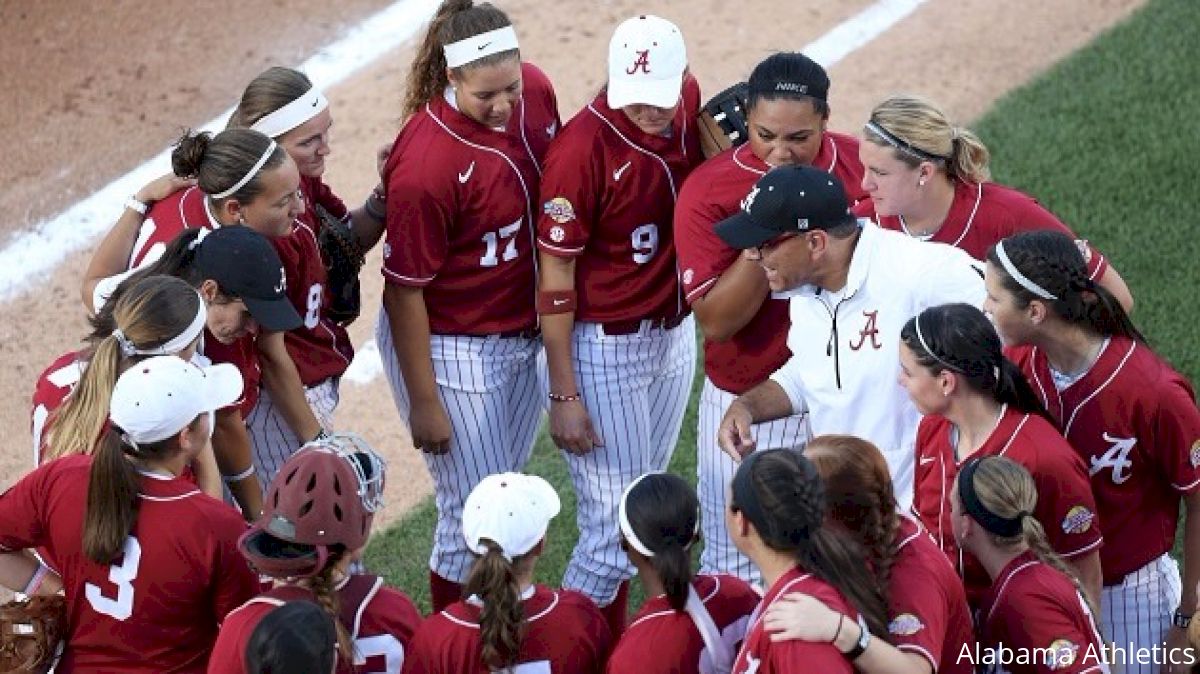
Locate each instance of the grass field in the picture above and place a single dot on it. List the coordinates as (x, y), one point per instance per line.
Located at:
(1108, 140)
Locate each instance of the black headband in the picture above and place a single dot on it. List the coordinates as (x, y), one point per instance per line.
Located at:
(901, 144)
(991, 522)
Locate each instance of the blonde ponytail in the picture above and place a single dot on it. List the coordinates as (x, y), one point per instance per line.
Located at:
(918, 130)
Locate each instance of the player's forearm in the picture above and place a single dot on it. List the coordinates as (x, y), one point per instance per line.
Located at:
(409, 322)
(732, 301)
(558, 274)
(282, 381)
(112, 255)
(368, 229)
(1087, 569)
(208, 475)
(231, 448)
(766, 402)
(1191, 553)
(1113, 283)
(20, 571)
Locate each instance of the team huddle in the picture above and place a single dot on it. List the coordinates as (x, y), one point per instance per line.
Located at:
(930, 438)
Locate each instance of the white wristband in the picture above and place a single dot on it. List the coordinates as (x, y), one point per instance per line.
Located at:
(35, 581)
(133, 204)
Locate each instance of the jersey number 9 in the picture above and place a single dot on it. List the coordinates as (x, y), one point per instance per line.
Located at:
(645, 243)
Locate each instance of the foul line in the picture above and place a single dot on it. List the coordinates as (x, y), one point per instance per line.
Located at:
(32, 255)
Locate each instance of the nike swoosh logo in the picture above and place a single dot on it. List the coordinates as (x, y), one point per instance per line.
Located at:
(621, 171)
(484, 46)
(315, 103)
(926, 459)
(559, 303)
(466, 175)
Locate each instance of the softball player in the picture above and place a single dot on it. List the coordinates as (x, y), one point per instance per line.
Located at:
(457, 330)
(977, 403)
(929, 621)
(282, 104)
(1130, 416)
(508, 623)
(1035, 606)
(298, 637)
(149, 564)
(775, 517)
(620, 344)
(243, 178)
(690, 624)
(745, 329)
(318, 516)
(930, 179)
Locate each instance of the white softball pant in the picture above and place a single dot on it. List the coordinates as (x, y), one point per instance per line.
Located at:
(715, 471)
(1136, 613)
(635, 388)
(489, 387)
(273, 440)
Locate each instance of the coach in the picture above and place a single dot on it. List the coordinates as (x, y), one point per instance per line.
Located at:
(852, 286)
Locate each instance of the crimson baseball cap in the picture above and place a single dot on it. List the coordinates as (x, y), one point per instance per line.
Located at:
(787, 199)
(247, 267)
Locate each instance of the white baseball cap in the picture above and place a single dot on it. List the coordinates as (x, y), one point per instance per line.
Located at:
(512, 510)
(646, 60)
(160, 396)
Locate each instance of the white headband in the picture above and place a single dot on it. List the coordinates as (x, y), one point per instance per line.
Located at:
(627, 528)
(172, 346)
(249, 174)
(1020, 278)
(931, 352)
(480, 46)
(310, 104)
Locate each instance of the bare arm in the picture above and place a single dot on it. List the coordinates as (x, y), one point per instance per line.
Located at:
(17, 569)
(282, 381)
(1087, 569)
(231, 447)
(570, 426)
(368, 228)
(409, 322)
(733, 300)
(1177, 636)
(208, 476)
(1113, 283)
(765, 402)
(112, 255)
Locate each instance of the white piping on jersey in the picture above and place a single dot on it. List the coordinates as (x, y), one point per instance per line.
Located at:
(658, 614)
(702, 286)
(966, 227)
(737, 160)
(155, 475)
(167, 499)
(411, 279)
(920, 650)
(1004, 585)
(362, 606)
(560, 249)
(521, 178)
(1093, 394)
(473, 625)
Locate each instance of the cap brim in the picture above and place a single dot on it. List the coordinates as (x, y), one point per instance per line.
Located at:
(659, 93)
(277, 315)
(741, 231)
(222, 386)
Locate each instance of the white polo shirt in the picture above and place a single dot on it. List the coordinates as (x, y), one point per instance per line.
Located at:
(845, 345)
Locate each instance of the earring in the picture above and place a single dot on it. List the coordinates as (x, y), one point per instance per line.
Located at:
(921, 182)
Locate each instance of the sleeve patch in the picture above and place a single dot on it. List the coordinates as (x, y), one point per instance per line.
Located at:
(1194, 454)
(1061, 654)
(560, 210)
(905, 625)
(1078, 520)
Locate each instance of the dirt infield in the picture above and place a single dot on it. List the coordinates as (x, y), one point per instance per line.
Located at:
(92, 95)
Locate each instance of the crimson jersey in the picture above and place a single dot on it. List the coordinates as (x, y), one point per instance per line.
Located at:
(53, 386)
(660, 639)
(1033, 610)
(712, 193)
(156, 609)
(380, 621)
(1065, 506)
(564, 634)
(608, 200)
(1134, 421)
(983, 214)
(759, 655)
(460, 211)
(166, 219)
(320, 348)
(927, 607)
(242, 354)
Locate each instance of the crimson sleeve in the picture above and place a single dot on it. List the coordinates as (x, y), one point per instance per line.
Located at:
(1036, 623)
(917, 613)
(235, 583)
(22, 511)
(1174, 434)
(1066, 505)
(702, 255)
(570, 192)
(420, 214)
(421, 656)
(786, 657)
(323, 195)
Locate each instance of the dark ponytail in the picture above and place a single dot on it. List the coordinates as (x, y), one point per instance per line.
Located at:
(789, 76)
(502, 618)
(112, 498)
(961, 339)
(455, 20)
(791, 507)
(1053, 261)
(663, 512)
(219, 162)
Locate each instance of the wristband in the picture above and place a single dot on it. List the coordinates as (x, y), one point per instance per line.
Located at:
(1181, 620)
(564, 398)
(230, 479)
(378, 193)
(137, 205)
(556, 301)
(864, 640)
(377, 213)
(36, 580)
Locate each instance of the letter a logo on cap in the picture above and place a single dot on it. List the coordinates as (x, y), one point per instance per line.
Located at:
(642, 61)
(748, 202)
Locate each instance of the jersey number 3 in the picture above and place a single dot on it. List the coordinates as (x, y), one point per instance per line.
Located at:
(121, 575)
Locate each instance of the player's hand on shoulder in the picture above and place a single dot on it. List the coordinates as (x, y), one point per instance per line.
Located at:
(571, 428)
(162, 187)
(430, 427)
(381, 157)
(803, 617)
(734, 435)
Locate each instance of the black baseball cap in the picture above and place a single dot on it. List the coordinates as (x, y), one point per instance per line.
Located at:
(787, 199)
(246, 266)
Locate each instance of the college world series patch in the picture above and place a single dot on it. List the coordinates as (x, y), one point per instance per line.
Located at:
(1078, 520)
(905, 625)
(559, 209)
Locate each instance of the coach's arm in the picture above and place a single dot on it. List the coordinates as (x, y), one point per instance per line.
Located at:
(766, 402)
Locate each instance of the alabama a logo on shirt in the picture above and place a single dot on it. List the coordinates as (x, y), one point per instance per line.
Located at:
(1116, 458)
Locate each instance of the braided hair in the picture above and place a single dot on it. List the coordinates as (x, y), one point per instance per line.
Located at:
(1053, 261)
(961, 339)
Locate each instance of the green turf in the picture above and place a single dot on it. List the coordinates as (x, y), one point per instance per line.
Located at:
(1108, 140)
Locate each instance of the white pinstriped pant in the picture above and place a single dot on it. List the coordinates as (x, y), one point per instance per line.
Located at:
(635, 388)
(715, 471)
(273, 440)
(1138, 612)
(489, 387)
